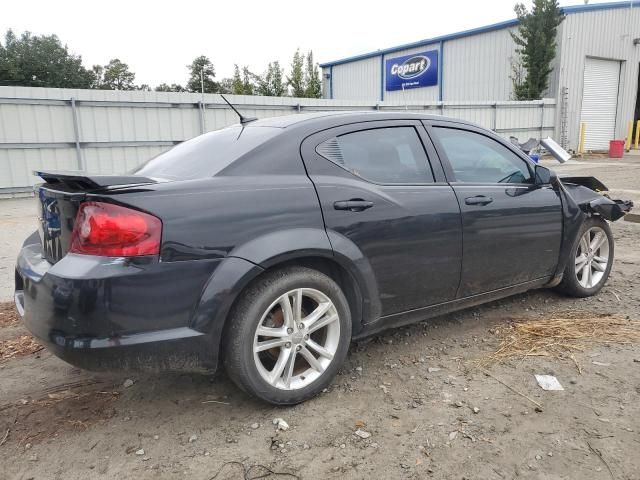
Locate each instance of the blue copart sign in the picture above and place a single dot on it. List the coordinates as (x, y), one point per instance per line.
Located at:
(412, 71)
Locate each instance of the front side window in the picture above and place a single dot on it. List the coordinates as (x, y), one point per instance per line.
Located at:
(381, 155)
(479, 159)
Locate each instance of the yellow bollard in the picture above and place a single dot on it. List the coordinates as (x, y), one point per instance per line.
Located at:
(637, 134)
(583, 127)
(627, 143)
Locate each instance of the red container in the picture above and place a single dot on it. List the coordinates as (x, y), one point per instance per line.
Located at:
(616, 148)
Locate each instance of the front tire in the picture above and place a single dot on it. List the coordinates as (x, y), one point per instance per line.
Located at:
(288, 335)
(590, 260)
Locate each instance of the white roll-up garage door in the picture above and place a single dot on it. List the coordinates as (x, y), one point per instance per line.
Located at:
(600, 102)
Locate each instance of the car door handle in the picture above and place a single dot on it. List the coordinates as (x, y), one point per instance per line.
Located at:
(353, 205)
(478, 200)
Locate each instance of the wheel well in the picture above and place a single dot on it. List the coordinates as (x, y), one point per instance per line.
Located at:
(337, 273)
(329, 267)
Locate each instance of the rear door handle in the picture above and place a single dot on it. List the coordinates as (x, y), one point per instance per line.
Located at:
(353, 205)
(478, 200)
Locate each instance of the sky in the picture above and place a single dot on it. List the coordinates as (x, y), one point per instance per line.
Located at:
(158, 39)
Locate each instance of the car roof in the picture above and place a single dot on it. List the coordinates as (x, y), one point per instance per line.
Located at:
(344, 117)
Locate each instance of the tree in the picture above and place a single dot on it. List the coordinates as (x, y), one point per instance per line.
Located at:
(313, 84)
(248, 81)
(40, 61)
(116, 76)
(202, 65)
(225, 85)
(272, 84)
(242, 83)
(174, 87)
(296, 80)
(97, 76)
(536, 48)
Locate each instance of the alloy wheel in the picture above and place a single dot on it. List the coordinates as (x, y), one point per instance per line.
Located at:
(592, 257)
(296, 339)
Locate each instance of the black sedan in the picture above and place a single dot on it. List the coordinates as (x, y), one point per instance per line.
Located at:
(269, 245)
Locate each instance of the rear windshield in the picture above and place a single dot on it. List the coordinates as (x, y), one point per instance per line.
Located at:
(206, 155)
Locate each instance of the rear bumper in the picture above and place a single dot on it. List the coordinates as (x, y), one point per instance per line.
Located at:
(113, 313)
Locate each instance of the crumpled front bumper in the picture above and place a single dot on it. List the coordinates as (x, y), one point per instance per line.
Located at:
(585, 191)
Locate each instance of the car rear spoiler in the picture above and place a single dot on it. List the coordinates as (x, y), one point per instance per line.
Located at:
(89, 181)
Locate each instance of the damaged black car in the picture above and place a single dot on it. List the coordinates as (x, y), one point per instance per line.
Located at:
(268, 246)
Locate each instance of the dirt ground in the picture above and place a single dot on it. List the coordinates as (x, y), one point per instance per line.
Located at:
(430, 409)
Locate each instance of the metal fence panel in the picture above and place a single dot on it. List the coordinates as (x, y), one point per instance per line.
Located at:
(112, 131)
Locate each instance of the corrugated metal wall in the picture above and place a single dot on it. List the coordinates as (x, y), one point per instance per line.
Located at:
(118, 130)
(479, 67)
(474, 68)
(357, 81)
(605, 34)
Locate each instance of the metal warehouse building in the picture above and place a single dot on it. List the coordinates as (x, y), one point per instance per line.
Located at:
(595, 78)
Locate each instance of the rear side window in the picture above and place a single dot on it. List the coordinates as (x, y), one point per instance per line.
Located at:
(480, 159)
(381, 155)
(206, 155)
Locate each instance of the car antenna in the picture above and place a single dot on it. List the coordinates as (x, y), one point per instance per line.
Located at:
(243, 119)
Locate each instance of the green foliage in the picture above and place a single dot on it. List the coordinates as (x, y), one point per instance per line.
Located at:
(313, 84)
(272, 84)
(202, 65)
(116, 76)
(40, 61)
(242, 83)
(174, 87)
(296, 80)
(536, 41)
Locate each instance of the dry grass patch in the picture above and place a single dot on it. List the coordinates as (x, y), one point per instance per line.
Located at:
(8, 314)
(18, 347)
(562, 335)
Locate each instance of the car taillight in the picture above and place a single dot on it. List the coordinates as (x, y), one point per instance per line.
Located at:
(111, 230)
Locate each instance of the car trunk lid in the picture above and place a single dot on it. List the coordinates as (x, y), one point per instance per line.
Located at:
(59, 198)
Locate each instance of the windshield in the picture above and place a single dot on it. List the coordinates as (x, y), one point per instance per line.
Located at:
(206, 155)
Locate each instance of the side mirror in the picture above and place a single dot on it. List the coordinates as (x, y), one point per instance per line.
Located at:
(544, 176)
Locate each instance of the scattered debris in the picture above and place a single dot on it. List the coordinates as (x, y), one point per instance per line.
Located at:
(433, 369)
(19, 347)
(6, 435)
(384, 388)
(140, 452)
(216, 401)
(548, 382)
(599, 454)
(476, 410)
(281, 424)
(255, 426)
(128, 383)
(362, 434)
(193, 438)
(559, 336)
(601, 364)
(453, 435)
(512, 389)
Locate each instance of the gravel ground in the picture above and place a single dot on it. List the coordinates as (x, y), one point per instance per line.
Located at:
(427, 409)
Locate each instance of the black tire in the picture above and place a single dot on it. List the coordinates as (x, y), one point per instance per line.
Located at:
(570, 284)
(243, 322)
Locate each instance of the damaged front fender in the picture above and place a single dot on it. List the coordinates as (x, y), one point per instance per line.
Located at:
(585, 193)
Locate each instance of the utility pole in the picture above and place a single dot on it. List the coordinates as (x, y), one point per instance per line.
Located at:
(202, 105)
